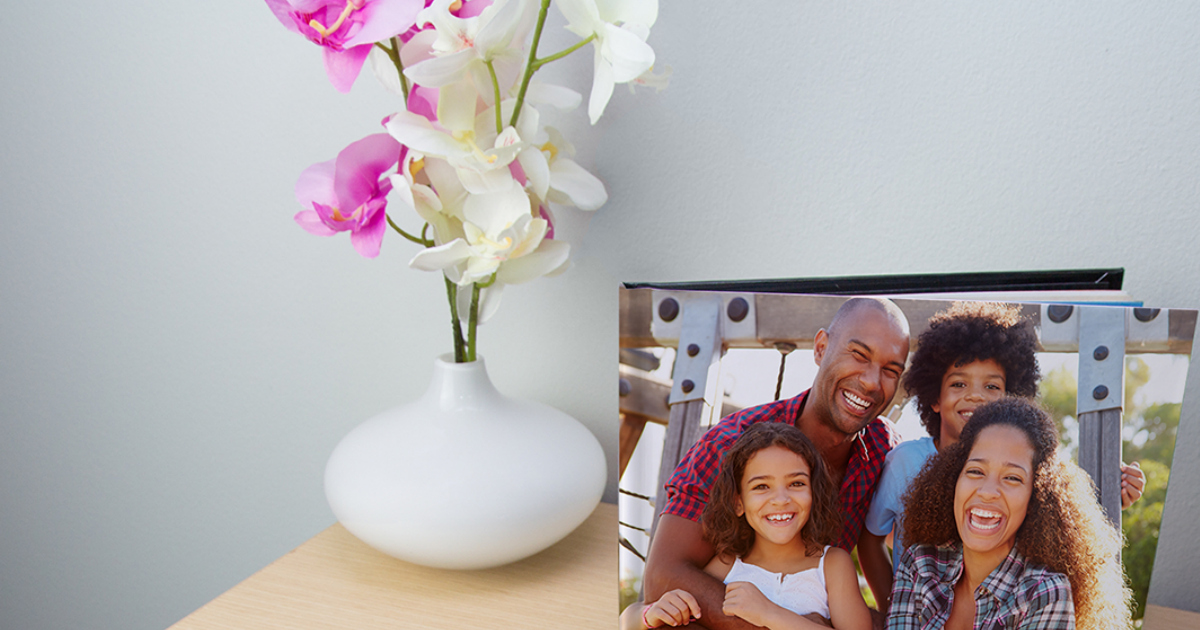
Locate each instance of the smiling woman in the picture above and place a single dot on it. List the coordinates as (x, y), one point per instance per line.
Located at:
(992, 495)
(1007, 533)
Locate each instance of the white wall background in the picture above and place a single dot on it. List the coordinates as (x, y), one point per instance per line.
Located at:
(179, 358)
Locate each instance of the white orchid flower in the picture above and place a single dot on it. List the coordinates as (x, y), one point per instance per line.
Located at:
(561, 98)
(461, 48)
(649, 79)
(430, 188)
(500, 237)
(481, 170)
(555, 177)
(620, 29)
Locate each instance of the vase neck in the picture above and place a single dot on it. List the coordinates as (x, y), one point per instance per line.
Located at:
(461, 385)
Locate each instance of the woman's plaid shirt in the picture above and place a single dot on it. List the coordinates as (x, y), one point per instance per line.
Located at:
(1015, 595)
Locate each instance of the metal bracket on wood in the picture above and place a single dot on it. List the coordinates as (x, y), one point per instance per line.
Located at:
(692, 390)
(694, 321)
(738, 317)
(698, 350)
(1099, 400)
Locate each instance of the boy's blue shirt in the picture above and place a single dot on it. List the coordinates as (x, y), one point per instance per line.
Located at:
(900, 467)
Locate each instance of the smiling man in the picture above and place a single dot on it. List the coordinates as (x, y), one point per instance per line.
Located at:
(860, 357)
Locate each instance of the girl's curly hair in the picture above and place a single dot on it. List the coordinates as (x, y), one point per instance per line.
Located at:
(729, 533)
(967, 332)
(1064, 529)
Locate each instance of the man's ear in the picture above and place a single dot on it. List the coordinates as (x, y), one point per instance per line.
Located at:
(820, 344)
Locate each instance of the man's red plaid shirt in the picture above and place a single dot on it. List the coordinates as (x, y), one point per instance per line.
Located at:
(687, 490)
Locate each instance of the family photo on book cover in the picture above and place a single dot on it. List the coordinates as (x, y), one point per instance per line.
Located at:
(796, 461)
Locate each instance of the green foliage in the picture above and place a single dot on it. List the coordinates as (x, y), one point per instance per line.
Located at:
(630, 592)
(1155, 426)
(1140, 523)
(1057, 394)
(1137, 374)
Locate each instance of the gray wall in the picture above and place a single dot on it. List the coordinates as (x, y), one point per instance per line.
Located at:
(179, 358)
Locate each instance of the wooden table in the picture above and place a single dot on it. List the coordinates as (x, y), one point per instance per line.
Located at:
(336, 581)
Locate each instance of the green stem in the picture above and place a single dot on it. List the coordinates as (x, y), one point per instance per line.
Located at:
(496, 95)
(460, 350)
(563, 53)
(473, 322)
(529, 66)
(393, 53)
(421, 240)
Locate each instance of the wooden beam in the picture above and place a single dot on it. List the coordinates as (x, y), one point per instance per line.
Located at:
(643, 395)
(632, 426)
(797, 318)
(635, 317)
(646, 396)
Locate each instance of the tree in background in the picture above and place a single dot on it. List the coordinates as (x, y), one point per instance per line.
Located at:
(1057, 393)
(1154, 438)
(1140, 523)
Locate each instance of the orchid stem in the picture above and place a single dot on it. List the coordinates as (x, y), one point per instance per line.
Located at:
(460, 350)
(496, 93)
(473, 322)
(393, 53)
(400, 68)
(418, 240)
(529, 66)
(563, 53)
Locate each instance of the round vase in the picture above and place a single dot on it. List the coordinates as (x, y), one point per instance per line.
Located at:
(465, 477)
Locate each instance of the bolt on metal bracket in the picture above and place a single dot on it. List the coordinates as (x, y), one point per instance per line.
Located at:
(737, 316)
(1101, 358)
(698, 352)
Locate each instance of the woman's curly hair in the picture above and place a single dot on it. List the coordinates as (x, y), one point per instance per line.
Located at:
(967, 332)
(1064, 529)
(729, 533)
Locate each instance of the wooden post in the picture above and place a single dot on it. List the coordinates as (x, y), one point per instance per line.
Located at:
(694, 383)
(1099, 399)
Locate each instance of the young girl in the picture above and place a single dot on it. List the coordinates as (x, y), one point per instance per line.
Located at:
(771, 517)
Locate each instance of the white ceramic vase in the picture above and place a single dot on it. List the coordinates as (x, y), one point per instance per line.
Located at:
(465, 477)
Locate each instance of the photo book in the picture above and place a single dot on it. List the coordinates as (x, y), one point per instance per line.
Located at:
(1109, 370)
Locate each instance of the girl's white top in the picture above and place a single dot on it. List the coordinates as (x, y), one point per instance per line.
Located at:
(801, 593)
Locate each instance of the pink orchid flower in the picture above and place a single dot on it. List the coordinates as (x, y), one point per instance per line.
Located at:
(349, 193)
(346, 29)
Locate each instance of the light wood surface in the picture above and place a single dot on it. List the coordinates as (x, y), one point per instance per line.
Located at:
(1163, 618)
(335, 581)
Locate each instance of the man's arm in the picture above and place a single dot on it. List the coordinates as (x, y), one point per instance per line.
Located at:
(876, 567)
(678, 554)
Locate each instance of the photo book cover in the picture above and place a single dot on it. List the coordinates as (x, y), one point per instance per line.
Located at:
(883, 378)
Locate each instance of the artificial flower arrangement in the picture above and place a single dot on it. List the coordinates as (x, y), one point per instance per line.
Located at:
(468, 154)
